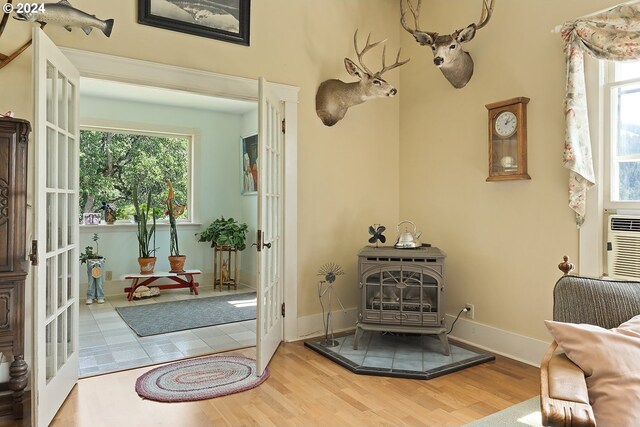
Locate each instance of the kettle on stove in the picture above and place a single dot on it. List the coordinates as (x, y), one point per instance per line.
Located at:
(408, 239)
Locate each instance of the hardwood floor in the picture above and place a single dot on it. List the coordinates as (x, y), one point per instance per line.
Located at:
(306, 389)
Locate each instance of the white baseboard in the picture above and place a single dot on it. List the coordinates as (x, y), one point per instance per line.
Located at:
(505, 343)
(309, 326)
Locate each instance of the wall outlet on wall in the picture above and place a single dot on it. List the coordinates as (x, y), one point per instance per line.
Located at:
(108, 275)
(471, 311)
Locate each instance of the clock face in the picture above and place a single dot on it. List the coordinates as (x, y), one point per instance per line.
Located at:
(506, 124)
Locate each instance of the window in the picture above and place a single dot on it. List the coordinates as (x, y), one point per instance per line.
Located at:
(113, 161)
(622, 152)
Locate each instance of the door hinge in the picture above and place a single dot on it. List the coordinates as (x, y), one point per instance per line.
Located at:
(283, 310)
(33, 256)
(284, 126)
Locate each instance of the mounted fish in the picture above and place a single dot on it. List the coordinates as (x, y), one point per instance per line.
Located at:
(65, 15)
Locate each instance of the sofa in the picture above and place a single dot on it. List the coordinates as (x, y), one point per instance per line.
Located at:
(564, 397)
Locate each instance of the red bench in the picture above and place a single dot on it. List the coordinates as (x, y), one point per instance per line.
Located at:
(177, 278)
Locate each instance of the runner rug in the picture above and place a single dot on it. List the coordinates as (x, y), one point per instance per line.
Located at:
(164, 317)
(199, 379)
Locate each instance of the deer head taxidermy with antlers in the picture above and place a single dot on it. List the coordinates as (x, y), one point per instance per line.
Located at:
(334, 97)
(454, 62)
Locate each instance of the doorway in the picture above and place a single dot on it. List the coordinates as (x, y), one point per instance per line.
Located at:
(215, 127)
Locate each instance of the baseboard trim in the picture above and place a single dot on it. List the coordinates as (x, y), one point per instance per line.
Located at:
(312, 325)
(505, 343)
(498, 341)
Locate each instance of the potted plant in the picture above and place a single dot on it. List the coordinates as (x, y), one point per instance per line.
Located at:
(225, 232)
(95, 269)
(176, 259)
(144, 233)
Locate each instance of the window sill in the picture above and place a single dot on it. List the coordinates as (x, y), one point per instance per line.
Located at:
(124, 226)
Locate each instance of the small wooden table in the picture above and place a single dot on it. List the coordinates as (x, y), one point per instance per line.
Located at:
(147, 279)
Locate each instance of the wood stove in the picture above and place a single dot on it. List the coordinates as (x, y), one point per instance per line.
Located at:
(401, 290)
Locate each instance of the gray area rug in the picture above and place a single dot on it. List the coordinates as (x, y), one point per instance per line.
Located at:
(161, 318)
(524, 414)
(399, 355)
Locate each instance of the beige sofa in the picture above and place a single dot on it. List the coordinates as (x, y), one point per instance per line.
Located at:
(564, 398)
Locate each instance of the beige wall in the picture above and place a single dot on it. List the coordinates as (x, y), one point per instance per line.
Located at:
(503, 239)
(425, 150)
(348, 174)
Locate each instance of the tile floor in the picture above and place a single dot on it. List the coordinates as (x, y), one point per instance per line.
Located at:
(398, 355)
(107, 344)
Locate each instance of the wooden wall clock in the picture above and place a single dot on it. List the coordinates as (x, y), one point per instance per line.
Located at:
(508, 140)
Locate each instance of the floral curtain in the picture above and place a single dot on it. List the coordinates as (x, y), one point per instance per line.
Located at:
(612, 35)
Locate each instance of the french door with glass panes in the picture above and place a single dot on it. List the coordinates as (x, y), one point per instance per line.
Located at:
(56, 228)
(270, 295)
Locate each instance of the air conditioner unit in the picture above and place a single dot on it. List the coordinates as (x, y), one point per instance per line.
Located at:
(623, 247)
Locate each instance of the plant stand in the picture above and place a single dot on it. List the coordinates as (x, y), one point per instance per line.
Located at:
(220, 255)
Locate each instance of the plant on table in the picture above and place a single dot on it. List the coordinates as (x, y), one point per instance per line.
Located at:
(225, 232)
(176, 259)
(146, 251)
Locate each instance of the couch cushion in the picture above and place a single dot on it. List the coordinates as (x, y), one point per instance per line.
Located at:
(610, 359)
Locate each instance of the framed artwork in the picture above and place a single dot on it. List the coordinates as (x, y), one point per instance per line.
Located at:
(92, 218)
(249, 165)
(226, 20)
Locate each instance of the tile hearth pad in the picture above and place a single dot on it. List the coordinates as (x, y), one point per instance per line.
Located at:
(398, 355)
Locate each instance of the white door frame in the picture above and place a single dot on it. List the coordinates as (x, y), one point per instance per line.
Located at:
(108, 67)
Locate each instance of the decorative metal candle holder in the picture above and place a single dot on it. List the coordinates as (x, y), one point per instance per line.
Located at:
(330, 272)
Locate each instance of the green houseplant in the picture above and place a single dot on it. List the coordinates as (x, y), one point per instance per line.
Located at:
(144, 232)
(225, 232)
(176, 259)
(88, 251)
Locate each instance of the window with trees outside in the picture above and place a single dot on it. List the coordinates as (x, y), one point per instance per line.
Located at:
(622, 152)
(112, 162)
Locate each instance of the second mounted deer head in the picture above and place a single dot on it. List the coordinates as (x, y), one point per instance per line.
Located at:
(334, 97)
(454, 62)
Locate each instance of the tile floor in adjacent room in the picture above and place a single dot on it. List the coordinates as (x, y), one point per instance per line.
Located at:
(107, 344)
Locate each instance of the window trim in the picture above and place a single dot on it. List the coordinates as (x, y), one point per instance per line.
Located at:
(193, 137)
(610, 85)
(592, 250)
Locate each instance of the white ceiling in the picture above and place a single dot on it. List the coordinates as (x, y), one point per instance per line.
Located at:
(154, 95)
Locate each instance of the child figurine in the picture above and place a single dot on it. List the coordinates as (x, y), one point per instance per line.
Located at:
(95, 267)
(95, 287)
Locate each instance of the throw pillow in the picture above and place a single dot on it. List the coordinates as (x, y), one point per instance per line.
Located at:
(610, 359)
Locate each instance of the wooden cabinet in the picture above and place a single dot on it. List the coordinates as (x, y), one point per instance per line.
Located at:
(14, 135)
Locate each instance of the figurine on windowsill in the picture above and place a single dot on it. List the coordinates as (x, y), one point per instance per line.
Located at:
(109, 213)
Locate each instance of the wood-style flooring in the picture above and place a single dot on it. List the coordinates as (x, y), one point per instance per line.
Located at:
(306, 389)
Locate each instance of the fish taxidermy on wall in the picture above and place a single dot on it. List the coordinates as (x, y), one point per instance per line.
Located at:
(65, 15)
(334, 97)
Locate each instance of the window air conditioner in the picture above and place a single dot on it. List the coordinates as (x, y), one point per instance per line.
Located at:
(623, 247)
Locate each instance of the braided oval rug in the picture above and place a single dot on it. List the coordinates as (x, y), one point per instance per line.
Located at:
(199, 379)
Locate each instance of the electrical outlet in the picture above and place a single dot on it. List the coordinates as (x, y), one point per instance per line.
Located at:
(471, 311)
(108, 275)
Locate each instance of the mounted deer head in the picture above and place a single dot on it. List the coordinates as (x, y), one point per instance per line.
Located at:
(334, 97)
(454, 62)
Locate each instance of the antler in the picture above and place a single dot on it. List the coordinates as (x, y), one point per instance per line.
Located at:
(487, 10)
(416, 16)
(364, 50)
(392, 66)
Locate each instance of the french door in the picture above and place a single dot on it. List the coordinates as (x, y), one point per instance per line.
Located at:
(56, 95)
(270, 321)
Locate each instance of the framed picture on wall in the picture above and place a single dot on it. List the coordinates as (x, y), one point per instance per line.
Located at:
(226, 20)
(249, 165)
